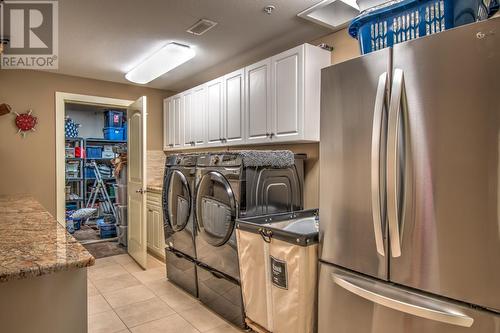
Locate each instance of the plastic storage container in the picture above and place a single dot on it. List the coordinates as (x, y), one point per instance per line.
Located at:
(113, 133)
(113, 118)
(122, 215)
(90, 173)
(278, 257)
(106, 230)
(399, 21)
(121, 194)
(94, 152)
(122, 235)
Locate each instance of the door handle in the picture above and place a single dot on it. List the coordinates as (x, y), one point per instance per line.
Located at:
(393, 137)
(402, 300)
(141, 191)
(378, 114)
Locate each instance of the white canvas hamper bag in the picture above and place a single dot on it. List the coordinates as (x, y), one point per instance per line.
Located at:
(278, 257)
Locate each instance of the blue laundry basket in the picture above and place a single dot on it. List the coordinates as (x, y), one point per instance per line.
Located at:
(403, 20)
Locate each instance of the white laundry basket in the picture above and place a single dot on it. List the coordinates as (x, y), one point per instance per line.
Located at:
(278, 257)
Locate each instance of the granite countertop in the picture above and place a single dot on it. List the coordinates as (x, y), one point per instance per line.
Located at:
(155, 188)
(32, 243)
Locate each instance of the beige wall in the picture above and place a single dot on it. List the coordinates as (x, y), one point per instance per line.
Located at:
(344, 46)
(28, 165)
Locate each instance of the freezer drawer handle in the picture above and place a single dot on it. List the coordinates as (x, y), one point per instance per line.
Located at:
(408, 302)
(378, 115)
(394, 201)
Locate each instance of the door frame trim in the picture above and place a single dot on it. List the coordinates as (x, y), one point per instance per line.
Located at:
(61, 98)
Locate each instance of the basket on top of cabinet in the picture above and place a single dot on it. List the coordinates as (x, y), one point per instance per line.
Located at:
(403, 20)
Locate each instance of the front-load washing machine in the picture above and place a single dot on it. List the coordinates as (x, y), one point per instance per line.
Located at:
(178, 221)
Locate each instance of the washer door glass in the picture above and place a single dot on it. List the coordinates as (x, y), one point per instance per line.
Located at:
(215, 208)
(178, 201)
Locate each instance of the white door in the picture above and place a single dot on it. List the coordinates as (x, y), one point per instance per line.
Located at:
(258, 101)
(287, 94)
(215, 104)
(198, 118)
(187, 102)
(234, 107)
(137, 236)
(178, 123)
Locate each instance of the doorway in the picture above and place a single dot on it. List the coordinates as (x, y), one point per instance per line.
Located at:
(93, 141)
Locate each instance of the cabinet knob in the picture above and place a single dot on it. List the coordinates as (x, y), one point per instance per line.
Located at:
(268, 135)
(271, 135)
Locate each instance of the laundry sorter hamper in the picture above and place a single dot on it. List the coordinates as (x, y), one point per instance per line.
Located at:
(278, 256)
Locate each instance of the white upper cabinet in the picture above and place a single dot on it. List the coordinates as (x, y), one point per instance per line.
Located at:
(169, 121)
(178, 123)
(287, 82)
(274, 100)
(258, 101)
(198, 116)
(167, 133)
(215, 111)
(188, 108)
(234, 107)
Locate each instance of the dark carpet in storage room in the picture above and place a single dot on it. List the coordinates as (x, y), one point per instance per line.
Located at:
(98, 250)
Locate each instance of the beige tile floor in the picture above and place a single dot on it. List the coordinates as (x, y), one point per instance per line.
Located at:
(124, 298)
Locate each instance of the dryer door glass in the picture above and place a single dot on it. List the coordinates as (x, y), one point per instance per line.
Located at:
(178, 201)
(215, 208)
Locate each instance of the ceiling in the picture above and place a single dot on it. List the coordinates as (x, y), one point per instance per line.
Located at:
(103, 39)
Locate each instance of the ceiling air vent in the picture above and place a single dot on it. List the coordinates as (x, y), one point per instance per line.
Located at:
(202, 26)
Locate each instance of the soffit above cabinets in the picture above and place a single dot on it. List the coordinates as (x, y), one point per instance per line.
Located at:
(333, 14)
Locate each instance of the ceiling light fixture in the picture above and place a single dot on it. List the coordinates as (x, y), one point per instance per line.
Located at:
(333, 14)
(164, 60)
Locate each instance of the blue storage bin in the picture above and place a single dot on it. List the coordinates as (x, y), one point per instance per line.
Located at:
(397, 22)
(113, 133)
(90, 172)
(94, 152)
(113, 118)
(77, 224)
(106, 230)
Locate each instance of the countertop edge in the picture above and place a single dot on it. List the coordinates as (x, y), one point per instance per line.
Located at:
(31, 272)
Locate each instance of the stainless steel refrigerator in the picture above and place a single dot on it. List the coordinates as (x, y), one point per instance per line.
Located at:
(410, 187)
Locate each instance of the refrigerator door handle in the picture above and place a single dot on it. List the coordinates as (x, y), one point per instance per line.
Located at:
(393, 137)
(378, 115)
(403, 301)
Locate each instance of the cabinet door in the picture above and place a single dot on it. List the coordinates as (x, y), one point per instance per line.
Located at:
(234, 107)
(287, 94)
(198, 116)
(187, 103)
(166, 123)
(149, 224)
(178, 123)
(156, 230)
(258, 101)
(215, 105)
(169, 123)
